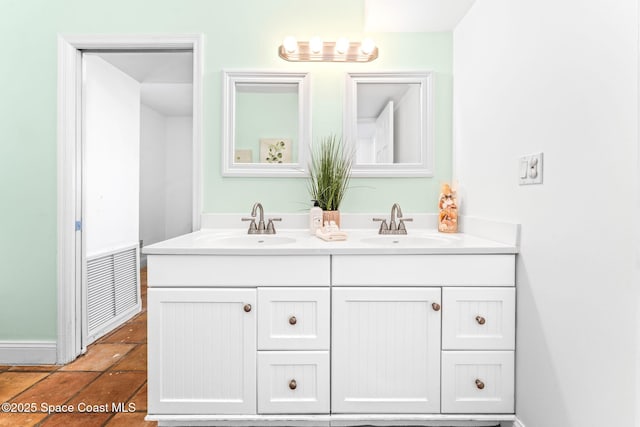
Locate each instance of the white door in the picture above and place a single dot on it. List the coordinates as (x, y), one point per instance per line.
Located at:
(111, 144)
(384, 135)
(385, 350)
(202, 351)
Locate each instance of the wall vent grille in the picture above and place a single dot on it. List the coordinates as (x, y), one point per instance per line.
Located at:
(112, 288)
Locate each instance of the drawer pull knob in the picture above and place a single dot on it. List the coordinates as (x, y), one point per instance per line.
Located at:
(247, 308)
(435, 306)
(479, 384)
(293, 320)
(293, 384)
(481, 320)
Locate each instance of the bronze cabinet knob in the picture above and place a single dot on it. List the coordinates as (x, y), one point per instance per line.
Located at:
(293, 384)
(479, 384)
(247, 308)
(481, 320)
(435, 306)
(293, 320)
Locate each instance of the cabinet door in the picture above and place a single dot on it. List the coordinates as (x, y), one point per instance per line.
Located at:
(385, 350)
(202, 351)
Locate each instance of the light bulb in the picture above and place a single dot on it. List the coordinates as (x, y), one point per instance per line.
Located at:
(367, 46)
(290, 44)
(342, 45)
(315, 44)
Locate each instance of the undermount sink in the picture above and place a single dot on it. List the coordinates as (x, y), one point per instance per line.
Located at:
(401, 240)
(255, 240)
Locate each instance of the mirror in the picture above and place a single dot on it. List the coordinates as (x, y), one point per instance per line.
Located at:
(265, 123)
(389, 121)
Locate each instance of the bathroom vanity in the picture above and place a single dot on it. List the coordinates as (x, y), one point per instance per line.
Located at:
(292, 330)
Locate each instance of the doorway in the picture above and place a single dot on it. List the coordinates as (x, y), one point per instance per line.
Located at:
(87, 192)
(137, 160)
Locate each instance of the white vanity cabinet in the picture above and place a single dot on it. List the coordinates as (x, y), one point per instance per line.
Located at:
(331, 339)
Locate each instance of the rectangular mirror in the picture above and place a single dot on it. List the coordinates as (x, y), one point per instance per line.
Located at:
(265, 123)
(389, 121)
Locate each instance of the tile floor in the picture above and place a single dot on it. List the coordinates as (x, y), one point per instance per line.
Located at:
(114, 369)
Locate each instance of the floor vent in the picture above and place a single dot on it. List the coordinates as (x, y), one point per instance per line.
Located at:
(112, 290)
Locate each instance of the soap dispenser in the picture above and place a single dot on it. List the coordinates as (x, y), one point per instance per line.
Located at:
(315, 218)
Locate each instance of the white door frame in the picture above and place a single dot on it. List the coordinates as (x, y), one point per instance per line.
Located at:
(69, 175)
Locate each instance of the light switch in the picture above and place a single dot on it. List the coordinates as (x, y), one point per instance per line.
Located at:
(530, 169)
(524, 168)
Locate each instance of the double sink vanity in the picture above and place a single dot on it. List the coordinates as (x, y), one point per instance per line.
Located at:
(288, 329)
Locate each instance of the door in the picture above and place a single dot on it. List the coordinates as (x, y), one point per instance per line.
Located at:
(111, 145)
(202, 351)
(384, 135)
(385, 350)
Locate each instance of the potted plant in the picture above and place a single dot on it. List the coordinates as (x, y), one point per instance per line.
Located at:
(329, 174)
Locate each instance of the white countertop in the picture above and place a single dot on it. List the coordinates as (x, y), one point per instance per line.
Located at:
(300, 242)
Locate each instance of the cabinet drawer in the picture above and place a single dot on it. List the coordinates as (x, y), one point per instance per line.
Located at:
(477, 382)
(293, 318)
(293, 382)
(478, 318)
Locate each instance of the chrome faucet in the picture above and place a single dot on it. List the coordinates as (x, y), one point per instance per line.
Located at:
(393, 227)
(260, 228)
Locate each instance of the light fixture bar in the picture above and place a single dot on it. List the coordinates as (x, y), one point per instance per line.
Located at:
(327, 54)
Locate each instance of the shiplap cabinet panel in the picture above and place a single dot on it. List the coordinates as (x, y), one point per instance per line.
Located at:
(202, 351)
(385, 350)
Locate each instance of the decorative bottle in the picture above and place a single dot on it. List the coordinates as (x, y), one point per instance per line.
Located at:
(448, 205)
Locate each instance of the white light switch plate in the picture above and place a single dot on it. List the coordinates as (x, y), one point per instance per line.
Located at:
(530, 169)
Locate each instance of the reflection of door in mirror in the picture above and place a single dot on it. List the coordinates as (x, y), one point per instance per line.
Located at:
(375, 137)
(384, 135)
(389, 127)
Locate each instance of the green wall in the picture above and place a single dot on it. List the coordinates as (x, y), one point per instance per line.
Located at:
(266, 115)
(239, 34)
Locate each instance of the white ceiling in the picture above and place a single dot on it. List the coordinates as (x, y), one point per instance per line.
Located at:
(397, 16)
(153, 67)
(373, 97)
(166, 78)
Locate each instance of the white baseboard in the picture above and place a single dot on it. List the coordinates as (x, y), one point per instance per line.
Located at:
(518, 423)
(27, 352)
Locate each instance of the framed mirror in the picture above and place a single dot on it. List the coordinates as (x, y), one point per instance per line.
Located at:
(389, 122)
(266, 126)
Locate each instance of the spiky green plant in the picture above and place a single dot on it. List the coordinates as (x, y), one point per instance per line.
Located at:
(329, 172)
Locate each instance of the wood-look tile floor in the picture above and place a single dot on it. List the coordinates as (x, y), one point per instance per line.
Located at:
(113, 370)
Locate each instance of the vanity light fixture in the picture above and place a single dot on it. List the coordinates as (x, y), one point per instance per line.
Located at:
(318, 50)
